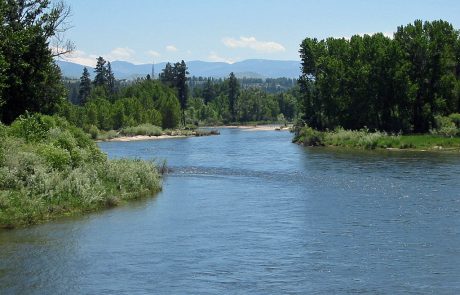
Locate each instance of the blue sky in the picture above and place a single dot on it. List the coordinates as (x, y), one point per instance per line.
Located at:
(140, 31)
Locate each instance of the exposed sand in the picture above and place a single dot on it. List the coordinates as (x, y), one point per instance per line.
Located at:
(144, 137)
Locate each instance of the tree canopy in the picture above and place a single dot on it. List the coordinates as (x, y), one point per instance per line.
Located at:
(391, 84)
(30, 80)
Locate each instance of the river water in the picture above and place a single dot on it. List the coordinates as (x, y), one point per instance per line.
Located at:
(252, 213)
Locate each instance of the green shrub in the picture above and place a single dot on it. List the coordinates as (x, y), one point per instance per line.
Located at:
(143, 129)
(455, 118)
(201, 132)
(190, 127)
(310, 137)
(446, 126)
(93, 131)
(32, 128)
(56, 157)
(106, 135)
(132, 175)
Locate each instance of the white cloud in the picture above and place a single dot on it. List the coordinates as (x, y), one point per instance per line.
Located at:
(254, 44)
(153, 53)
(171, 48)
(215, 57)
(80, 57)
(121, 53)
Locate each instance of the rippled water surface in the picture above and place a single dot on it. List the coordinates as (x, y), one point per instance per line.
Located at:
(252, 213)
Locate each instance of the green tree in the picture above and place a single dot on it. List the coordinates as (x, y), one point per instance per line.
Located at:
(101, 73)
(208, 91)
(167, 75)
(180, 77)
(176, 77)
(170, 111)
(373, 81)
(30, 78)
(111, 82)
(85, 86)
(233, 91)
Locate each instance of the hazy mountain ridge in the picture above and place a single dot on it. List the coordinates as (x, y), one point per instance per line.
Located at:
(251, 68)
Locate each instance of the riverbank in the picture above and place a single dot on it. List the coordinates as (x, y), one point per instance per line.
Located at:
(181, 133)
(363, 139)
(50, 169)
(150, 132)
(144, 137)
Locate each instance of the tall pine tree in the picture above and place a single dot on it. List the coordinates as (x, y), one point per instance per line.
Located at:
(180, 77)
(110, 79)
(101, 73)
(167, 75)
(85, 86)
(233, 90)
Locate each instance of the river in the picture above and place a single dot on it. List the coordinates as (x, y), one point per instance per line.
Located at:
(248, 212)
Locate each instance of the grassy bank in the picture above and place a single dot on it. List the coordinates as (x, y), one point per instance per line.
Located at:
(363, 139)
(49, 168)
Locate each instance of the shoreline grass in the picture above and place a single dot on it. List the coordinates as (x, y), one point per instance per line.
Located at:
(364, 139)
(49, 169)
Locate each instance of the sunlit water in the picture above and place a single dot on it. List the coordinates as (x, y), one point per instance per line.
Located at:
(252, 213)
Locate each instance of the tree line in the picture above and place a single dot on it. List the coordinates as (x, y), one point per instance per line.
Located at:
(382, 83)
(213, 101)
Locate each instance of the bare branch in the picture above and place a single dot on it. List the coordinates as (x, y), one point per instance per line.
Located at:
(58, 20)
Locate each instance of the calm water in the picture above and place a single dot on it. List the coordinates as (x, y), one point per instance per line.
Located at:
(252, 213)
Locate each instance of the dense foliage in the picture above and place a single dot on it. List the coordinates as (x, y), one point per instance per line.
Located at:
(144, 101)
(216, 101)
(175, 76)
(49, 168)
(29, 78)
(388, 84)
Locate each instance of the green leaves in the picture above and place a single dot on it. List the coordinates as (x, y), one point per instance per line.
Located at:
(382, 83)
(29, 79)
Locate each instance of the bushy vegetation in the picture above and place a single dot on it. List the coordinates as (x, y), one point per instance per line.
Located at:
(49, 168)
(447, 126)
(143, 129)
(364, 139)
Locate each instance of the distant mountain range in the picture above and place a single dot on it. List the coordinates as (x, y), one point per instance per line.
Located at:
(251, 68)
